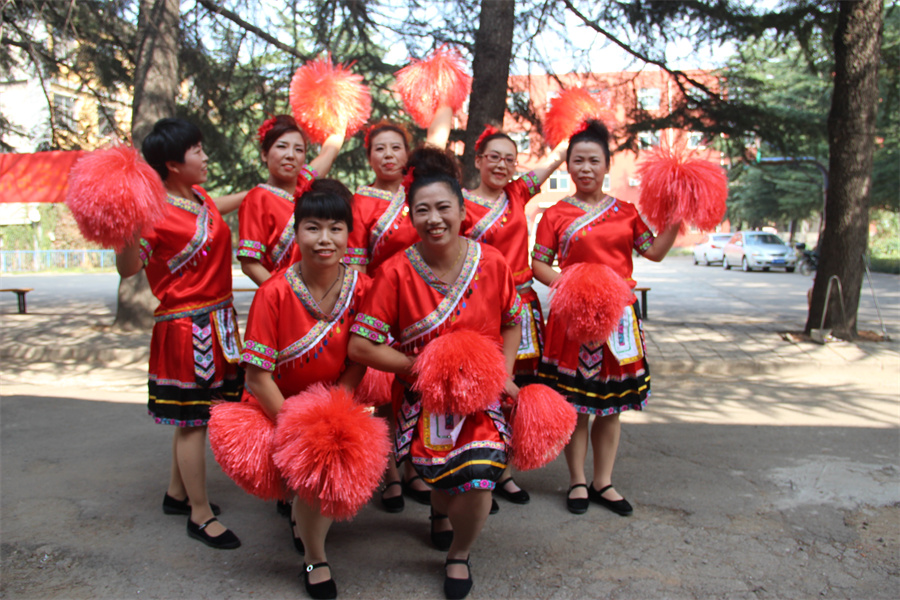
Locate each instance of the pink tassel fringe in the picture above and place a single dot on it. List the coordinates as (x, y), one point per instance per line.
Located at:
(590, 299)
(374, 389)
(542, 422)
(568, 112)
(113, 193)
(329, 99)
(439, 80)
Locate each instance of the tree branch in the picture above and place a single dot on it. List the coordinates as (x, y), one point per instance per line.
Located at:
(214, 8)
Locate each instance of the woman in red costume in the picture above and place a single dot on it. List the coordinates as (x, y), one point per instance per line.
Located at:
(297, 335)
(496, 210)
(443, 282)
(383, 229)
(609, 376)
(195, 348)
(266, 217)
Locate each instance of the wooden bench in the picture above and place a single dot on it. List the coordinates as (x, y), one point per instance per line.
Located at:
(20, 292)
(643, 291)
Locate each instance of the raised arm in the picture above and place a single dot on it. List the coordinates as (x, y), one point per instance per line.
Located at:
(663, 243)
(230, 202)
(327, 155)
(439, 129)
(547, 166)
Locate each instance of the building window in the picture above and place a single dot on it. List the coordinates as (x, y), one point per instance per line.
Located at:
(64, 112)
(521, 139)
(648, 139)
(695, 140)
(559, 181)
(648, 98)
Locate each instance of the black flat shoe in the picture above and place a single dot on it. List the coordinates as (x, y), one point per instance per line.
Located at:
(457, 589)
(171, 506)
(283, 508)
(620, 507)
(520, 497)
(223, 541)
(324, 590)
(440, 539)
(577, 506)
(420, 496)
(495, 508)
(394, 504)
(298, 543)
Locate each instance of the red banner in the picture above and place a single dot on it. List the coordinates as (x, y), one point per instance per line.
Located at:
(39, 177)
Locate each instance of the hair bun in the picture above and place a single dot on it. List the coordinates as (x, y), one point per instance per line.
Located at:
(430, 161)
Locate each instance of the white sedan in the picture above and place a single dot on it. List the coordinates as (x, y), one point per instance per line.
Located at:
(758, 250)
(710, 249)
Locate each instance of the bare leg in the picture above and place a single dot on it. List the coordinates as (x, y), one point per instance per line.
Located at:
(468, 513)
(392, 474)
(576, 454)
(408, 473)
(190, 451)
(313, 529)
(176, 485)
(605, 438)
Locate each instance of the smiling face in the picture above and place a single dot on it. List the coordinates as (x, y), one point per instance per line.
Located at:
(193, 170)
(285, 158)
(322, 242)
(496, 163)
(437, 214)
(387, 155)
(587, 166)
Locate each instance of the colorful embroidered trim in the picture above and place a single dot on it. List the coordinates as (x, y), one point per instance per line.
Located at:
(513, 316)
(644, 241)
(387, 220)
(454, 294)
(197, 310)
(543, 254)
(260, 355)
(524, 286)
(277, 191)
(146, 251)
(225, 322)
(201, 233)
(356, 256)
(370, 328)
(251, 249)
(591, 214)
(496, 211)
(285, 242)
(531, 180)
(345, 296)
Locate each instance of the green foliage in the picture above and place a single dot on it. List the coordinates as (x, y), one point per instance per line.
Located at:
(885, 242)
(778, 194)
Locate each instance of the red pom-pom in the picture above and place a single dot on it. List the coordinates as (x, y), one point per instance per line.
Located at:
(589, 299)
(114, 193)
(439, 80)
(329, 99)
(375, 388)
(568, 112)
(677, 187)
(242, 439)
(330, 450)
(542, 422)
(460, 372)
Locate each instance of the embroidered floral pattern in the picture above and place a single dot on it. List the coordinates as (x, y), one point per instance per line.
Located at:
(356, 256)
(146, 251)
(514, 315)
(531, 180)
(388, 218)
(543, 254)
(193, 312)
(591, 214)
(201, 233)
(251, 249)
(496, 211)
(277, 191)
(370, 328)
(285, 242)
(643, 242)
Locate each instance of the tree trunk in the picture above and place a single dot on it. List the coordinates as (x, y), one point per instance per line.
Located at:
(490, 73)
(155, 87)
(851, 137)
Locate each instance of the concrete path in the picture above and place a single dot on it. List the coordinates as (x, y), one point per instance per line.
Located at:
(752, 476)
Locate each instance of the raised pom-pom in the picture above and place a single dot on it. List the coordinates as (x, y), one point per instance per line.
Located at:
(678, 187)
(375, 388)
(590, 298)
(427, 85)
(460, 372)
(242, 439)
(542, 422)
(114, 193)
(330, 450)
(328, 99)
(568, 112)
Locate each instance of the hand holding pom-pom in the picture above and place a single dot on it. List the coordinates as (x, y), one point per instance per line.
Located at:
(679, 188)
(590, 299)
(460, 372)
(114, 194)
(329, 99)
(439, 80)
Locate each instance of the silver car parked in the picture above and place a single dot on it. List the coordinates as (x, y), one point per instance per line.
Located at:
(758, 250)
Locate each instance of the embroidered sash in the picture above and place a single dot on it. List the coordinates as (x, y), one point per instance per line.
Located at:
(453, 293)
(325, 322)
(625, 340)
(397, 202)
(225, 323)
(591, 214)
(201, 232)
(496, 210)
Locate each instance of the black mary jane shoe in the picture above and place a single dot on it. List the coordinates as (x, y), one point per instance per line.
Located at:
(393, 504)
(223, 541)
(440, 539)
(495, 508)
(457, 589)
(324, 590)
(520, 497)
(298, 542)
(420, 496)
(621, 507)
(577, 506)
(171, 506)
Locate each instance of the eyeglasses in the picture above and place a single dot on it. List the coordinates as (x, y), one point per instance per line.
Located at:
(493, 157)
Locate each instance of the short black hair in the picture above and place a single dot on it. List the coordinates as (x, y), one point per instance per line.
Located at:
(169, 140)
(594, 131)
(326, 199)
